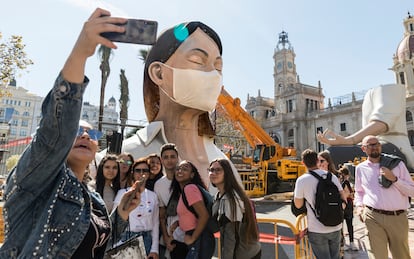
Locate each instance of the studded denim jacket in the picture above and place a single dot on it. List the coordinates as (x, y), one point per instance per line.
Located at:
(47, 210)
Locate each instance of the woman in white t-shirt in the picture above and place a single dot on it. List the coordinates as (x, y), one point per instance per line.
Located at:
(143, 220)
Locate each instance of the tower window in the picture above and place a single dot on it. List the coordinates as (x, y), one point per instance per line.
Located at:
(402, 78)
(408, 116)
(343, 126)
(290, 133)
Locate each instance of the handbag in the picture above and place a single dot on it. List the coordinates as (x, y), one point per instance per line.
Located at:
(133, 248)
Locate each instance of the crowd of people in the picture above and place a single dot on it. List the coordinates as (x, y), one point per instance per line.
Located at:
(379, 195)
(56, 207)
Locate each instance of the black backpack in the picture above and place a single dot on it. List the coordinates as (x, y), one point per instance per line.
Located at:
(328, 202)
(212, 223)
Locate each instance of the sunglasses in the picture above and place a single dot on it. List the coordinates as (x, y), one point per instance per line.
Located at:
(93, 133)
(215, 170)
(141, 170)
(127, 162)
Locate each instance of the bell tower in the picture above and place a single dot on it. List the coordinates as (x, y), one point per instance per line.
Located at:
(404, 57)
(284, 71)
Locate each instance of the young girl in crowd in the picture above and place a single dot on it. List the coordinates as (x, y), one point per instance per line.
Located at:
(144, 220)
(239, 235)
(125, 165)
(200, 243)
(107, 179)
(154, 162)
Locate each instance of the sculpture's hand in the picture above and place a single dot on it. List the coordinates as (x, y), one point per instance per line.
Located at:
(331, 138)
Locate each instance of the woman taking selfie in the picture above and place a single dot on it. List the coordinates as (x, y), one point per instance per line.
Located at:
(49, 212)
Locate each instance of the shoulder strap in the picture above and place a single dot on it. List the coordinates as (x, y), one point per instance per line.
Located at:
(185, 201)
(316, 175)
(328, 176)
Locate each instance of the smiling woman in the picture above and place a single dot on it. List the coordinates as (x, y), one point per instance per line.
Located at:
(45, 196)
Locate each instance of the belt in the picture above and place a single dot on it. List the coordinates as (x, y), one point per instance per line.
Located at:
(387, 212)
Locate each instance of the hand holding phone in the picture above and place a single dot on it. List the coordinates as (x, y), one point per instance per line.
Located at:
(138, 185)
(136, 31)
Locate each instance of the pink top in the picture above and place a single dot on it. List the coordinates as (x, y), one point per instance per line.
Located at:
(186, 218)
(370, 193)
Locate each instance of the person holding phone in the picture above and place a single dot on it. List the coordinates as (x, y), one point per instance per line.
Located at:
(143, 220)
(48, 210)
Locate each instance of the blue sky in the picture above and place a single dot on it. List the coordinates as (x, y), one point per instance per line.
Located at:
(347, 45)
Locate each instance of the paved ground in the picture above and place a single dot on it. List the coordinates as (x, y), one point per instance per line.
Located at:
(281, 210)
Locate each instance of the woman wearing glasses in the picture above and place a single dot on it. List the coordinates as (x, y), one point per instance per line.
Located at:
(49, 211)
(144, 220)
(239, 235)
(125, 165)
(325, 162)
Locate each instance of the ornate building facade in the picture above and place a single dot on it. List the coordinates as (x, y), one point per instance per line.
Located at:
(296, 112)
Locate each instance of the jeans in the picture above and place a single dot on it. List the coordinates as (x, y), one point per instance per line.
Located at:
(325, 245)
(203, 247)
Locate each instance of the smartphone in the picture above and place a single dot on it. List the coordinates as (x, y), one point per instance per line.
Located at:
(137, 31)
(133, 195)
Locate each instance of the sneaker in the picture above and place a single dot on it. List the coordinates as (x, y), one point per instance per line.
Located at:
(347, 248)
(354, 247)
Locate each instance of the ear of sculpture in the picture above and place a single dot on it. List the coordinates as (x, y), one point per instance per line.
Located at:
(155, 71)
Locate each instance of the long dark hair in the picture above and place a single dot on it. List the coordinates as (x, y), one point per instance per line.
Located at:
(175, 186)
(232, 187)
(331, 165)
(100, 178)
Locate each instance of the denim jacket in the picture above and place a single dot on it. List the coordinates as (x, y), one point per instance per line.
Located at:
(47, 210)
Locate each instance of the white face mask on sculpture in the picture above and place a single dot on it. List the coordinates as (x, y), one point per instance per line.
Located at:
(195, 88)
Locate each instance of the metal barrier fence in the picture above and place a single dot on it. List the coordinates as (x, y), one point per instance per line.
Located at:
(298, 238)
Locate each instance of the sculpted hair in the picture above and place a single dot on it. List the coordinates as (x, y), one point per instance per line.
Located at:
(165, 46)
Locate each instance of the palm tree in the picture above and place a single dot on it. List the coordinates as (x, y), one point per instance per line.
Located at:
(104, 54)
(143, 53)
(123, 100)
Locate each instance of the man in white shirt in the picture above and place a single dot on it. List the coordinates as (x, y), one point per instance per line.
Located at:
(169, 160)
(325, 240)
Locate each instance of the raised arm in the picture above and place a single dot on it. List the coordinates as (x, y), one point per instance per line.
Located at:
(331, 138)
